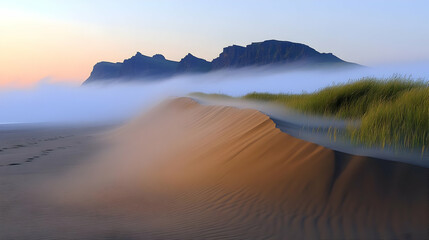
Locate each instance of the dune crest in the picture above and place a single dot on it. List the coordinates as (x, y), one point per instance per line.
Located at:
(215, 172)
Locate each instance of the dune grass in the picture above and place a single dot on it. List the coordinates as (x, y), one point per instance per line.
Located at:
(402, 122)
(211, 95)
(392, 112)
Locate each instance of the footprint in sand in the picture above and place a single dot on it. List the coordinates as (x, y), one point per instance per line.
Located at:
(46, 152)
(19, 146)
(14, 164)
(30, 159)
(13, 147)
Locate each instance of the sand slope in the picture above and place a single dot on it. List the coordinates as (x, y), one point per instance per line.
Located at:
(211, 172)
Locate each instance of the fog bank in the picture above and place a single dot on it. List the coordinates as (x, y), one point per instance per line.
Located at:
(64, 103)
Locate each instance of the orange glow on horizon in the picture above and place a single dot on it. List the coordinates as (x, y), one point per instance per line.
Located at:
(34, 47)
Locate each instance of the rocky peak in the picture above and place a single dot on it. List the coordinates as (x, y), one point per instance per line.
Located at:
(190, 63)
(189, 56)
(159, 57)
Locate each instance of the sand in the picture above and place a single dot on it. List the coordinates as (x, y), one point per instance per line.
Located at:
(188, 171)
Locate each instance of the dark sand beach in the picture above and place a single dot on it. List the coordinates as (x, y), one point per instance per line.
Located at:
(188, 171)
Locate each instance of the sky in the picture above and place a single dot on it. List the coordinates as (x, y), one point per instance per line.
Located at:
(62, 40)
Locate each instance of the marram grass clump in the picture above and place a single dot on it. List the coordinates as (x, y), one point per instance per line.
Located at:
(402, 123)
(393, 112)
(351, 100)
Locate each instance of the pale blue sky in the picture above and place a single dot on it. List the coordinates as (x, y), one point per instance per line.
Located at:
(366, 32)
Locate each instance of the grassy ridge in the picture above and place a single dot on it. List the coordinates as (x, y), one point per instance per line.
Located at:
(351, 100)
(393, 111)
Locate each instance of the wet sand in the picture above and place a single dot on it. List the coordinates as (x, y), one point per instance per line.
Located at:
(187, 171)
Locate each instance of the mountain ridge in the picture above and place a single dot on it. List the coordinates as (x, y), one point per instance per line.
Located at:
(257, 54)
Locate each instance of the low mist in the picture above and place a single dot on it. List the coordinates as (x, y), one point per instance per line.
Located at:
(145, 177)
(65, 103)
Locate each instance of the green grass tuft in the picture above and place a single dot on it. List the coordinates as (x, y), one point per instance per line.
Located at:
(402, 123)
(351, 100)
(392, 112)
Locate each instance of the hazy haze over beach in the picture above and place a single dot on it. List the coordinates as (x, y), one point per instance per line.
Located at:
(214, 119)
(70, 103)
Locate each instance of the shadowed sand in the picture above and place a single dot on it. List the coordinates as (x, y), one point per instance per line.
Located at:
(188, 171)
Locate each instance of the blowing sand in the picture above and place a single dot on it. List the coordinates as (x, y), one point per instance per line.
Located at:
(187, 171)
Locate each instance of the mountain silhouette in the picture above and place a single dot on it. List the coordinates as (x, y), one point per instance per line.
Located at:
(190, 64)
(268, 53)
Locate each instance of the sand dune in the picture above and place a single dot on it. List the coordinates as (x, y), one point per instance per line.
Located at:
(188, 171)
(211, 172)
